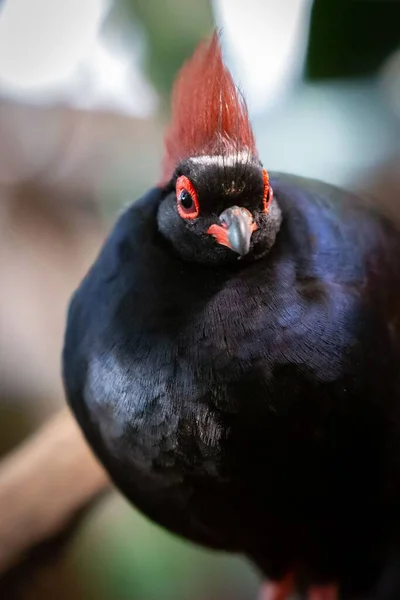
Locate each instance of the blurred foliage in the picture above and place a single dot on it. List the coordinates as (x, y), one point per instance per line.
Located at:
(124, 556)
(351, 38)
(173, 28)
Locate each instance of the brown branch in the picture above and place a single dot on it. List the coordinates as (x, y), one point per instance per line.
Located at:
(43, 485)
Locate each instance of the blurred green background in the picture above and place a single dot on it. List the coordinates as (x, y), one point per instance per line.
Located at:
(84, 101)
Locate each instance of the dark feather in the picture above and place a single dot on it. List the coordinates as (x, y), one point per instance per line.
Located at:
(252, 407)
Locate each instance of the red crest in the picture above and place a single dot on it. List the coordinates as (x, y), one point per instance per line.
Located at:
(209, 114)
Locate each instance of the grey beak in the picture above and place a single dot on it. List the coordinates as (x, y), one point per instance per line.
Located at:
(240, 226)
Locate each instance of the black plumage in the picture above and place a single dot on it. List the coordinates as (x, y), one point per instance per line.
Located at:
(250, 405)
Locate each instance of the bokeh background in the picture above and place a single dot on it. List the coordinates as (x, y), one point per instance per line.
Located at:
(84, 101)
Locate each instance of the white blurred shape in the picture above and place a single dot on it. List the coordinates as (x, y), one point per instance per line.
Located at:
(108, 78)
(51, 50)
(325, 131)
(41, 41)
(265, 45)
(333, 130)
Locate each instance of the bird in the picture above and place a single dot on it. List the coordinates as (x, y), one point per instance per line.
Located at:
(232, 356)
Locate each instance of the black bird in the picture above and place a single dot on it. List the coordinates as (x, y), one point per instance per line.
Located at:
(233, 356)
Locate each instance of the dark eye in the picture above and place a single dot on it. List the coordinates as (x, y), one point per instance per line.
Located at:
(187, 202)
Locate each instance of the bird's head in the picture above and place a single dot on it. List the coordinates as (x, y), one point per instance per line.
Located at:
(219, 204)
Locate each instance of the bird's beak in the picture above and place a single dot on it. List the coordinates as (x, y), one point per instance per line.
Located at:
(235, 230)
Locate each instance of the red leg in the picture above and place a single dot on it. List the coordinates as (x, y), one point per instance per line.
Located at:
(323, 592)
(278, 590)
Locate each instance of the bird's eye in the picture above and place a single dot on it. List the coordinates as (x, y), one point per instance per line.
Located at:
(186, 200)
(188, 205)
(268, 193)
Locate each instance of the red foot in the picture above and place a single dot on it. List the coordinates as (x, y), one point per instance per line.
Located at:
(281, 590)
(278, 590)
(323, 592)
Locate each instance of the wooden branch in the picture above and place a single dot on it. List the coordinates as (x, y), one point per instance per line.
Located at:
(43, 485)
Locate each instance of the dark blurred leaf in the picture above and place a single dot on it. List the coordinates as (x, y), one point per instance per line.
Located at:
(351, 38)
(15, 423)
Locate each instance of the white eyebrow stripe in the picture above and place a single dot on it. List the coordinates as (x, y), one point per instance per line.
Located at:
(228, 160)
